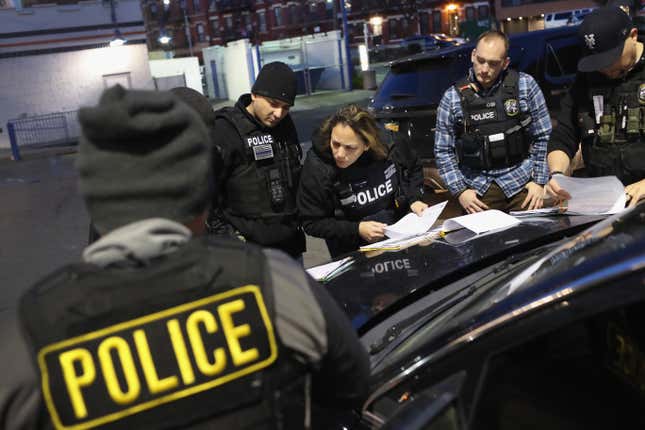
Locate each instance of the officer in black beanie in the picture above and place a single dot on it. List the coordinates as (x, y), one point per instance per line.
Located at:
(261, 165)
(160, 326)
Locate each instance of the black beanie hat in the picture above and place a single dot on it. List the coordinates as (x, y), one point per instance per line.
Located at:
(277, 81)
(142, 154)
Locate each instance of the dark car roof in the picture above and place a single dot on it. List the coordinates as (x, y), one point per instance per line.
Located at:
(527, 40)
(378, 286)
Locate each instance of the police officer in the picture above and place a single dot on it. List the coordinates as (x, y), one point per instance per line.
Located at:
(159, 326)
(604, 110)
(353, 185)
(492, 131)
(262, 162)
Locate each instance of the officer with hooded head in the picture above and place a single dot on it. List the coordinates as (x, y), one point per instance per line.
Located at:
(160, 326)
(604, 111)
(261, 165)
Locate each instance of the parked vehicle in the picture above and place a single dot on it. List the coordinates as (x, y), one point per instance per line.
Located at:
(569, 17)
(428, 42)
(407, 99)
(533, 327)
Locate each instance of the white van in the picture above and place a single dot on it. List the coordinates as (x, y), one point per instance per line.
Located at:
(568, 17)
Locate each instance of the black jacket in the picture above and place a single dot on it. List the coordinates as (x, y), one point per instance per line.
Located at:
(308, 324)
(318, 202)
(286, 236)
(567, 134)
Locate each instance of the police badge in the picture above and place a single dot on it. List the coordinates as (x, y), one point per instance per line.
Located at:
(641, 94)
(511, 107)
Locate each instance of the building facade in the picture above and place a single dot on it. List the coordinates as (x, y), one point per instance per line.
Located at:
(192, 25)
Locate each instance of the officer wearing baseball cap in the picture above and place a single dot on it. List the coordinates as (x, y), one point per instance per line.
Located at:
(159, 325)
(261, 158)
(604, 110)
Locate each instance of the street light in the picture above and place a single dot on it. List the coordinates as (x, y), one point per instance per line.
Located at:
(118, 39)
(164, 39)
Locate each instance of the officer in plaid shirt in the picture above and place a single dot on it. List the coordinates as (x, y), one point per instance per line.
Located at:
(492, 154)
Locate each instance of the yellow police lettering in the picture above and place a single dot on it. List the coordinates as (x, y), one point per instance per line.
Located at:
(155, 385)
(181, 352)
(206, 319)
(109, 372)
(75, 381)
(233, 333)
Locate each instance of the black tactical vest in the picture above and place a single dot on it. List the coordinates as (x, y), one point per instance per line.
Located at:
(265, 185)
(614, 143)
(494, 134)
(187, 341)
(368, 191)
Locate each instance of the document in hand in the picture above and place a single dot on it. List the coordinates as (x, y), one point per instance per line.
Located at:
(413, 225)
(329, 271)
(589, 196)
(477, 224)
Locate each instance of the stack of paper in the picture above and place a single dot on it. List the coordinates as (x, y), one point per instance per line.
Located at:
(329, 271)
(413, 225)
(477, 224)
(589, 196)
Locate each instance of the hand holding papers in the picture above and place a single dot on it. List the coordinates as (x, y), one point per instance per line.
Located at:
(413, 225)
(589, 196)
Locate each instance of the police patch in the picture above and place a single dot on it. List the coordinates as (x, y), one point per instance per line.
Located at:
(512, 107)
(133, 366)
(641, 93)
(263, 152)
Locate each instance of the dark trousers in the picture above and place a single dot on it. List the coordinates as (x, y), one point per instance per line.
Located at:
(496, 199)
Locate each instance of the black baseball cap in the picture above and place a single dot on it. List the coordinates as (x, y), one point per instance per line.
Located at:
(603, 32)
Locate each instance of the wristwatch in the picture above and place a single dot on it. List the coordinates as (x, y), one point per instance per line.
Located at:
(555, 172)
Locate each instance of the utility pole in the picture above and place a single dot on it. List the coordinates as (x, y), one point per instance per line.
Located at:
(182, 3)
(346, 38)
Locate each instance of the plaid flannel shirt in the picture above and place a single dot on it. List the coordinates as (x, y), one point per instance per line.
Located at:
(512, 179)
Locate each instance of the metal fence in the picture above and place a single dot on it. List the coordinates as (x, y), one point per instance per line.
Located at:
(43, 131)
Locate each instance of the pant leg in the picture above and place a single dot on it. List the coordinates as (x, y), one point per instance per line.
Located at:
(495, 198)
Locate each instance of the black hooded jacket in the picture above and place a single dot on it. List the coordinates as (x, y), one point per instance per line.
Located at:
(319, 204)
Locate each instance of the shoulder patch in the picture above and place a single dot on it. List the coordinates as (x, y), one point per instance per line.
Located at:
(641, 93)
(511, 107)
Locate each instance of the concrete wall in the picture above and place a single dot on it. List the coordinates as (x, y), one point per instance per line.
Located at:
(188, 66)
(40, 84)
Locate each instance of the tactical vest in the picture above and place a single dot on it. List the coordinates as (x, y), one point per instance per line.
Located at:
(368, 192)
(495, 131)
(613, 128)
(265, 185)
(184, 342)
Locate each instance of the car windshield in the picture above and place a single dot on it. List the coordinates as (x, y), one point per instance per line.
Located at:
(532, 272)
(425, 81)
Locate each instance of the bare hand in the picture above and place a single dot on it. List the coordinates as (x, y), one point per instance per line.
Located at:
(371, 231)
(635, 192)
(418, 207)
(535, 197)
(469, 201)
(553, 189)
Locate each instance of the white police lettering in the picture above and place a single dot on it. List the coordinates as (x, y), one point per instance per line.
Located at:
(386, 266)
(259, 140)
(482, 116)
(373, 194)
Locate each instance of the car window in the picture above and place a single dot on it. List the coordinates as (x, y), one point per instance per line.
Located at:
(425, 80)
(562, 56)
(586, 374)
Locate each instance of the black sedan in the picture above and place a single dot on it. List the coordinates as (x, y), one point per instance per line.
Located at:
(541, 326)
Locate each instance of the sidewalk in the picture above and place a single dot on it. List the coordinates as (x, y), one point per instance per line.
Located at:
(317, 100)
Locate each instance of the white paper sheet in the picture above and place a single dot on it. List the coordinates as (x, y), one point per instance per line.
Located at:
(481, 222)
(320, 273)
(413, 225)
(604, 195)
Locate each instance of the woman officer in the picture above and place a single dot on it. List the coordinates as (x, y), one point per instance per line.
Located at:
(352, 184)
